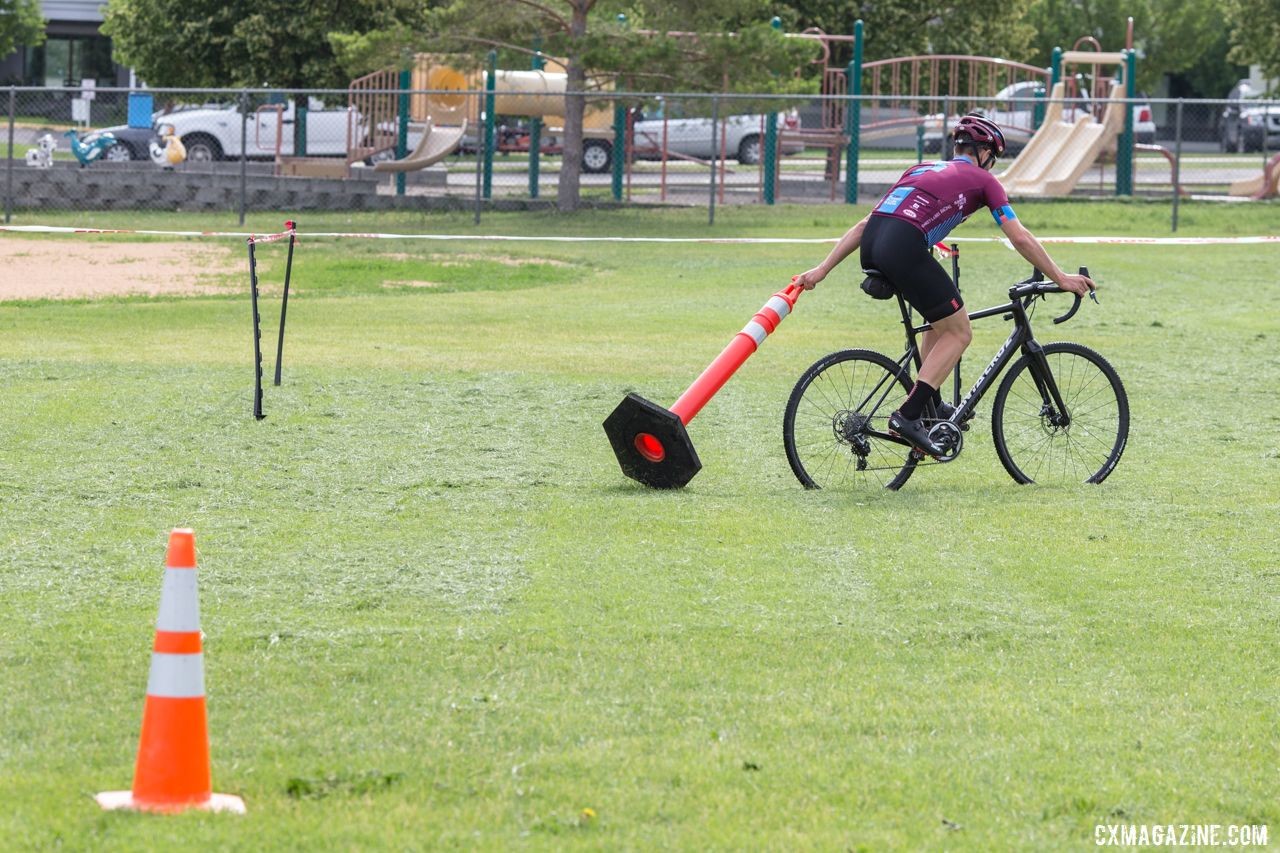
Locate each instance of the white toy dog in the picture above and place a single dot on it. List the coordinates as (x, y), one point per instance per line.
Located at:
(42, 157)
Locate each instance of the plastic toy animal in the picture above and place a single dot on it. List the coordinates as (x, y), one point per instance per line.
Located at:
(42, 156)
(171, 153)
(92, 147)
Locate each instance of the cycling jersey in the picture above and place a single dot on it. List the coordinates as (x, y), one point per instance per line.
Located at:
(936, 197)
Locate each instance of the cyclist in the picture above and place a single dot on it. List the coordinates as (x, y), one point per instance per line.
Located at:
(926, 203)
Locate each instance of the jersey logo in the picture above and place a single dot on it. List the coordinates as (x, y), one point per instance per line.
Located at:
(894, 199)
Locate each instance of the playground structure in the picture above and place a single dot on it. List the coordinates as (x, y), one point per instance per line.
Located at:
(434, 146)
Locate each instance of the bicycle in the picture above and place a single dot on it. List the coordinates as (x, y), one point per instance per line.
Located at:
(1060, 415)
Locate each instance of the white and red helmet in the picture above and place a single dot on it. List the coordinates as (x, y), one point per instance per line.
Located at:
(979, 130)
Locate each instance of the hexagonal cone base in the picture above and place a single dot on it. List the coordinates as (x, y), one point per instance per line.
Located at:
(651, 444)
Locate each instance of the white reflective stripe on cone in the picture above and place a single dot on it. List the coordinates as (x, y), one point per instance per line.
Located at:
(176, 676)
(179, 602)
(779, 306)
(756, 331)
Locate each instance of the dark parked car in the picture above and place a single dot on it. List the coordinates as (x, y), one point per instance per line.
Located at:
(1246, 124)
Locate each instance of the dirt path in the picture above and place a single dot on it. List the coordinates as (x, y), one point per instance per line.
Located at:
(80, 268)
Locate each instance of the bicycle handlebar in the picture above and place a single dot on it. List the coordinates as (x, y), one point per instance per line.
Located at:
(1037, 286)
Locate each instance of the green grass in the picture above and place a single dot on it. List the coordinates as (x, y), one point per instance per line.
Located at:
(438, 616)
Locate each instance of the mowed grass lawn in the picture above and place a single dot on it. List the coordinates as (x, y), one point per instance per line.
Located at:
(437, 614)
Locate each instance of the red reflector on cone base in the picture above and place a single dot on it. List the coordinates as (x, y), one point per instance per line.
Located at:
(650, 448)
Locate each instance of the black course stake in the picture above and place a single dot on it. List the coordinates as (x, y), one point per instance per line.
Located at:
(289, 227)
(257, 335)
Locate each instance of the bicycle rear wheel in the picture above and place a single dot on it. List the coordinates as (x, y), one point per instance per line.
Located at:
(1037, 443)
(837, 419)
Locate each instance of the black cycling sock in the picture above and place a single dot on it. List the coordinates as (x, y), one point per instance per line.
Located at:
(920, 394)
(937, 399)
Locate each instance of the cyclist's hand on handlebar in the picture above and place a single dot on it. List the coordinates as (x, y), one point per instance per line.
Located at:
(809, 278)
(1080, 285)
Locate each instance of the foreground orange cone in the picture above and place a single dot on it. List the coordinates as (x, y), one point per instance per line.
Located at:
(172, 773)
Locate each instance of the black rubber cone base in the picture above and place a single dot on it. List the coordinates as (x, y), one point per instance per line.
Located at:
(651, 444)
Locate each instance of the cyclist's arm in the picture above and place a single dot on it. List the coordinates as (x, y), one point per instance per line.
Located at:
(846, 246)
(1026, 244)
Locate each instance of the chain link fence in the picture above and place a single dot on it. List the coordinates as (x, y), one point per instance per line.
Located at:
(387, 148)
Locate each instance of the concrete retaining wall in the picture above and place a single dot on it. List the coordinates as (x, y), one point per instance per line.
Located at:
(142, 186)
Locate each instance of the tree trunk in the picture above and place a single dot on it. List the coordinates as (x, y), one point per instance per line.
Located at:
(568, 189)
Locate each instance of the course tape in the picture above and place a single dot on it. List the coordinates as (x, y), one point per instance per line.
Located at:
(503, 238)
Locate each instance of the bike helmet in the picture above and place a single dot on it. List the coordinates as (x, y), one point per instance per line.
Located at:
(979, 130)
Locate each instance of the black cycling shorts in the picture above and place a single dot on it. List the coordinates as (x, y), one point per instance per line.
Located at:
(898, 250)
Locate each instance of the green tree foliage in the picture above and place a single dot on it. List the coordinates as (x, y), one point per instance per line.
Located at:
(214, 43)
(21, 23)
(1255, 33)
(1171, 36)
(912, 27)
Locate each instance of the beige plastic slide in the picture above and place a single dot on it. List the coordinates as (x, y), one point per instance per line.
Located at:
(436, 144)
(1265, 185)
(1058, 155)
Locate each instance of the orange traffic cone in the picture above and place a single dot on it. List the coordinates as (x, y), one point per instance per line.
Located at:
(172, 773)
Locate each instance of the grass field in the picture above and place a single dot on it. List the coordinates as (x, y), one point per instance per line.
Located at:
(438, 616)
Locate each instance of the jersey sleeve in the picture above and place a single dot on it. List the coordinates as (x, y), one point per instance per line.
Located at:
(998, 201)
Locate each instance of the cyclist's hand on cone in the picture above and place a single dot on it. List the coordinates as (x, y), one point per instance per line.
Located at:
(809, 278)
(1080, 285)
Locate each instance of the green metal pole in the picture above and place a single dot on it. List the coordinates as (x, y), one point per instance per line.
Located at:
(1055, 68)
(1037, 114)
(919, 143)
(535, 127)
(402, 130)
(299, 129)
(853, 117)
(770, 155)
(490, 86)
(619, 147)
(1124, 150)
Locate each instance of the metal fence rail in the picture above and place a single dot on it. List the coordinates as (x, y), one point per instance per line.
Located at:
(384, 145)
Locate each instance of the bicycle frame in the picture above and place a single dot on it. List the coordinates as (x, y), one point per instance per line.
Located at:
(1021, 339)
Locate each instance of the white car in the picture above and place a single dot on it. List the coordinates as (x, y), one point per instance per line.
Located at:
(739, 136)
(1013, 109)
(214, 132)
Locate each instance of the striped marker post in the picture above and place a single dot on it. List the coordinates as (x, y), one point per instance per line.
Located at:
(172, 773)
(651, 443)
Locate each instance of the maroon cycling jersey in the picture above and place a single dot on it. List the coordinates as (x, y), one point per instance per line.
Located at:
(936, 197)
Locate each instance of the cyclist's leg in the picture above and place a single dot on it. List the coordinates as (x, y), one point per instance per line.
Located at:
(951, 337)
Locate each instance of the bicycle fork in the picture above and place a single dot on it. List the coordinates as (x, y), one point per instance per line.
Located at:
(1053, 408)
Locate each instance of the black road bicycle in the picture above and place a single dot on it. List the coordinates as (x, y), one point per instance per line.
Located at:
(1059, 416)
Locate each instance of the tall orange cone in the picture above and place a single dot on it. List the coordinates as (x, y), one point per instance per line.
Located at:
(172, 773)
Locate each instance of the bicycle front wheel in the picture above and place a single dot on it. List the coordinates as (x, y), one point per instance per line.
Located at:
(835, 427)
(1039, 443)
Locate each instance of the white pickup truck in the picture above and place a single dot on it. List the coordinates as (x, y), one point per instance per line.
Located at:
(214, 132)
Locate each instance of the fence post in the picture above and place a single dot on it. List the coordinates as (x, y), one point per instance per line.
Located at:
(8, 191)
(1055, 67)
(770, 155)
(1037, 114)
(535, 126)
(1124, 150)
(402, 125)
(920, 143)
(1177, 161)
(715, 146)
(299, 128)
(244, 147)
(619, 147)
(853, 116)
(490, 86)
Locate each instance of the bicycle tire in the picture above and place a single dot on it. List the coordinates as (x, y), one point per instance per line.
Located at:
(1033, 447)
(833, 405)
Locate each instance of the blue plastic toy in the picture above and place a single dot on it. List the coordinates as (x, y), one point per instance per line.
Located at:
(92, 147)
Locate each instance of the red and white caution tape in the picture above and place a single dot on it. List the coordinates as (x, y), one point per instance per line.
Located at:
(506, 238)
